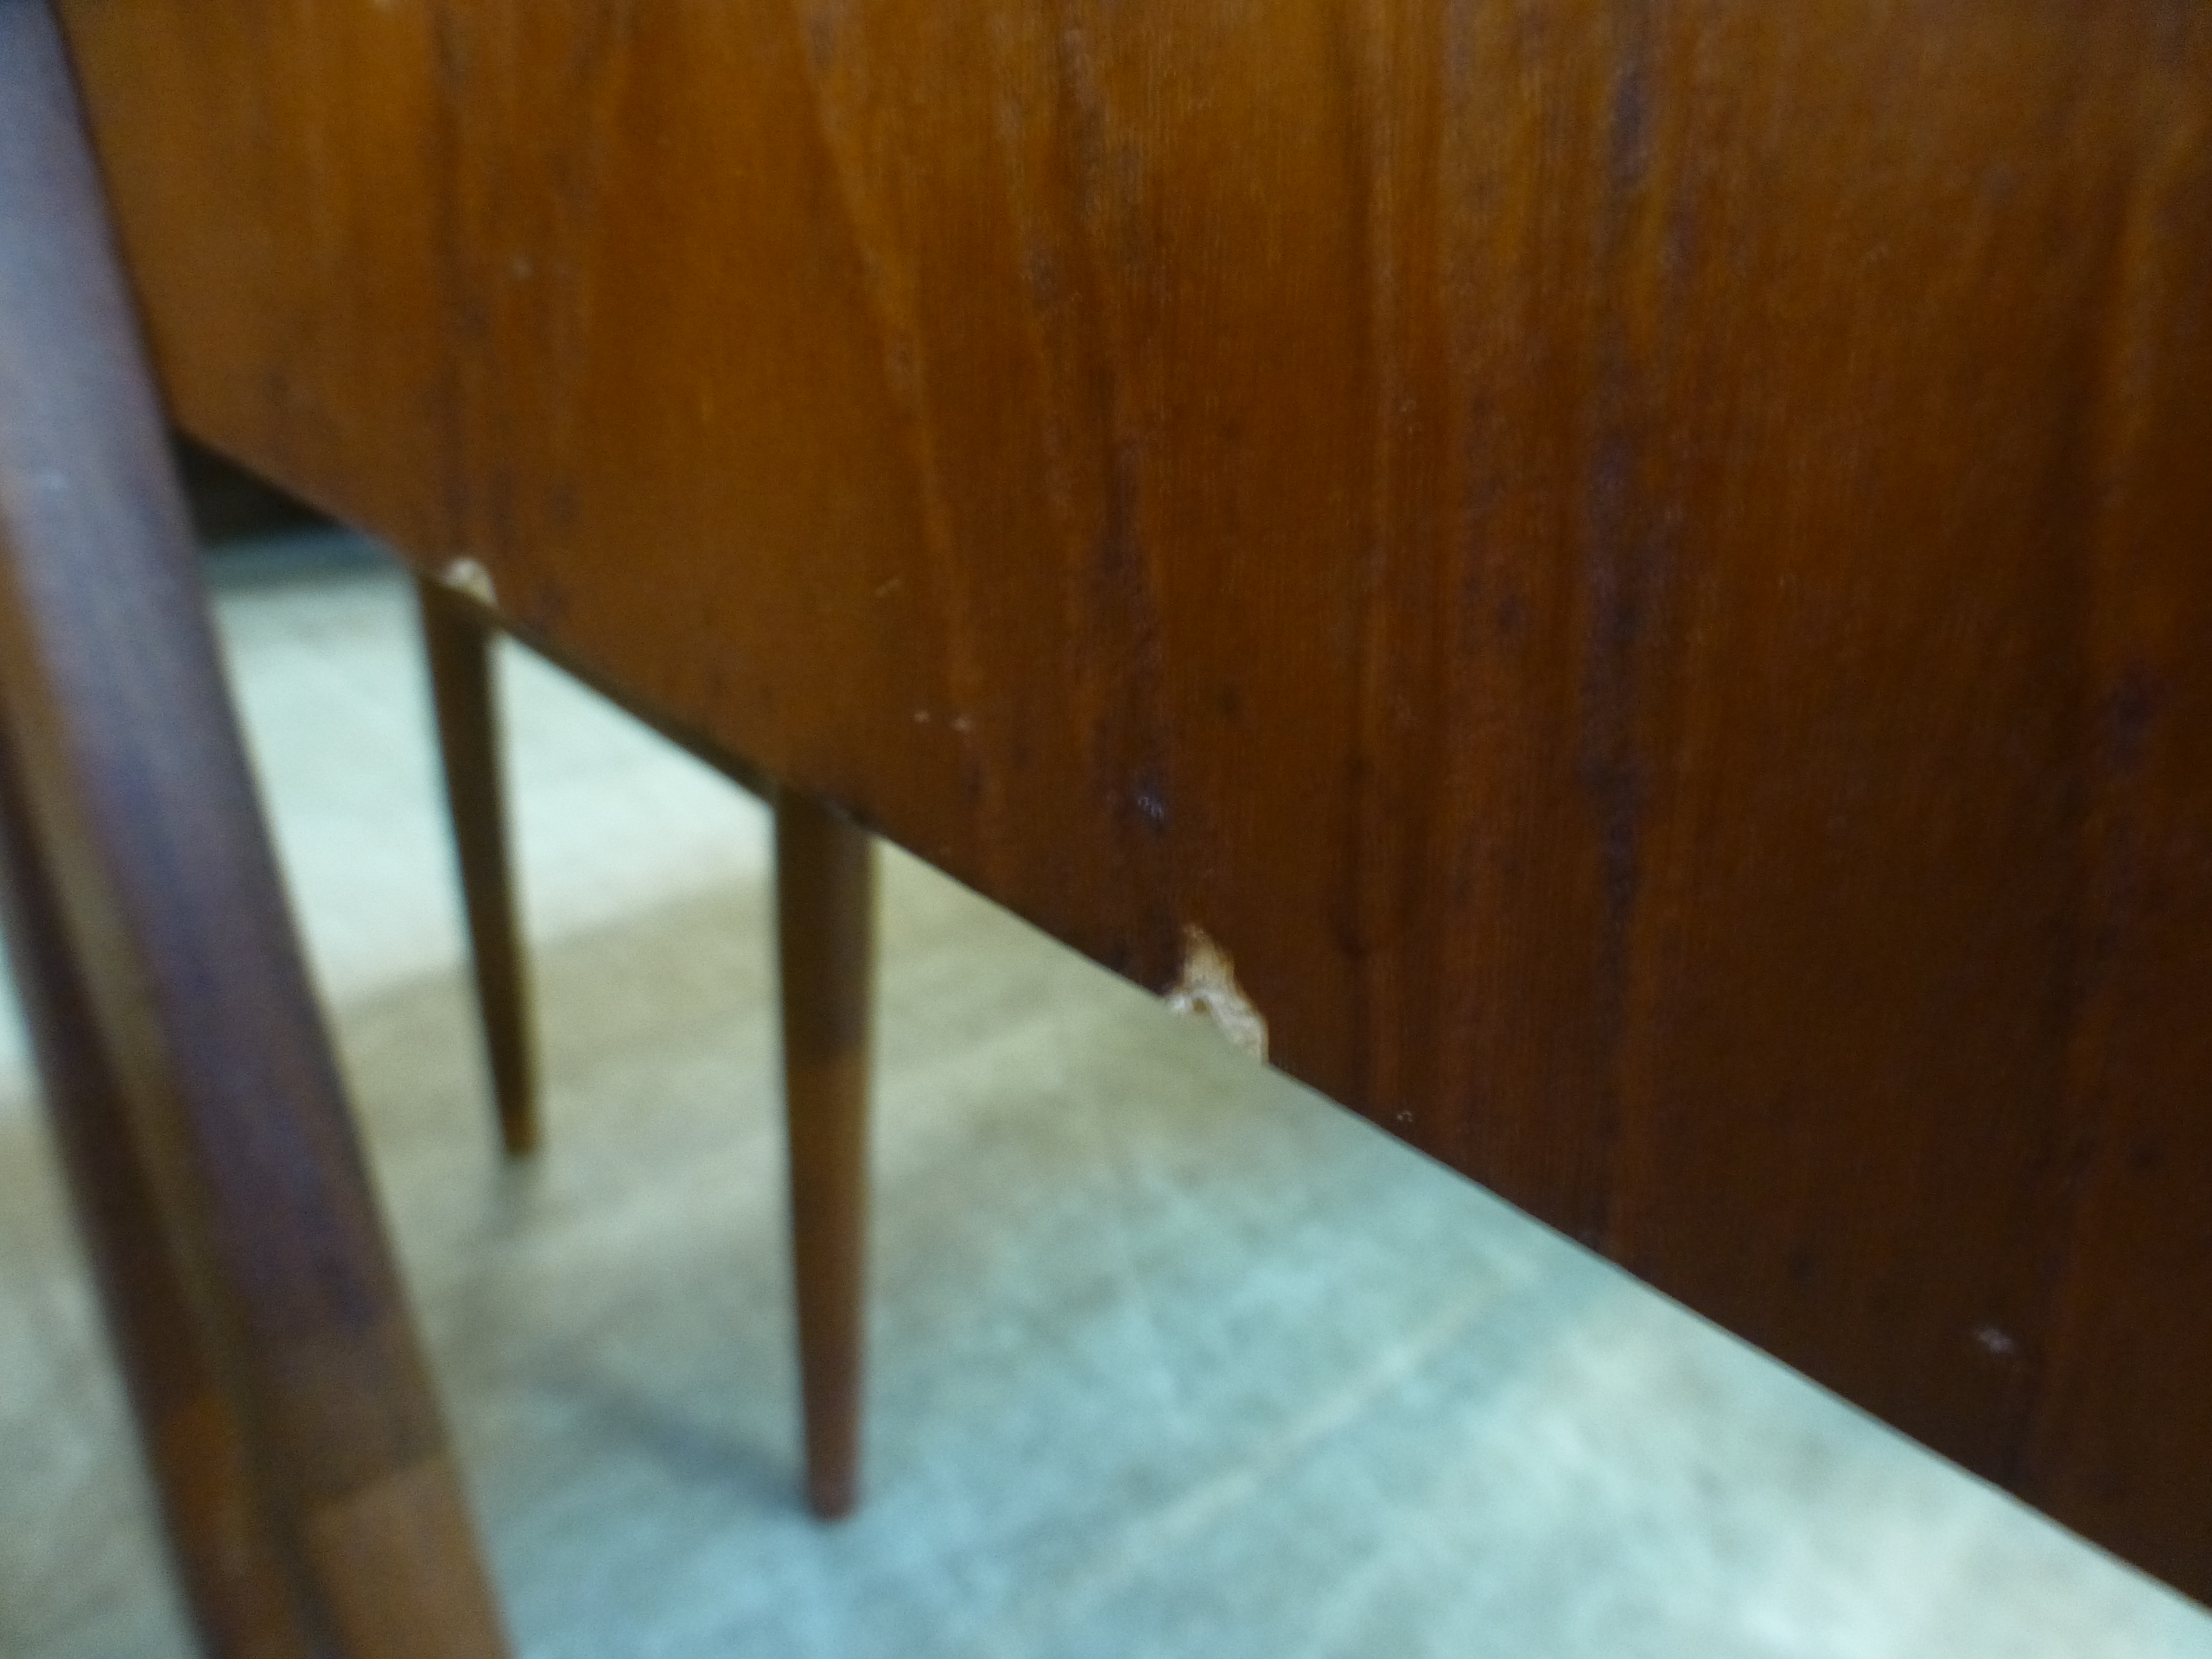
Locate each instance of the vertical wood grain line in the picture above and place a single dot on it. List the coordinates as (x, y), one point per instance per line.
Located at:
(872, 228)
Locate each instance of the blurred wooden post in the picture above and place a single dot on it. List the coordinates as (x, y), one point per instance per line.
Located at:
(168, 928)
(242, 1592)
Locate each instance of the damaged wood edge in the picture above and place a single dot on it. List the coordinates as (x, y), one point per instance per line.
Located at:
(468, 578)
(1208, 988)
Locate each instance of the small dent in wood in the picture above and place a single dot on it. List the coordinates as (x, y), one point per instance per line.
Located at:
(470, 579)
(1208, 988)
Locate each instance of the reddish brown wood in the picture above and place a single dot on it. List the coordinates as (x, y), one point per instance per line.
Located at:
(168, 919)
(1599, 550)
(825, 931)
(2113, 1445)
(457, 645)
(242, 1590)
(825, 891)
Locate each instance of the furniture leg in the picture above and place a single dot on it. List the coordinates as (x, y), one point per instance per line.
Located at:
(242, 1592)
(825, 912)
(136, 796)
(457, 643)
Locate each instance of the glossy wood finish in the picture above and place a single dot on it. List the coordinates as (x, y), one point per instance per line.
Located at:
(825, 936)
(457, 648)
(165, 946)
(1633, 567)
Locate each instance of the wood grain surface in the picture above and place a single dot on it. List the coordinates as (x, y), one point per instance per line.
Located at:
(1641, 569)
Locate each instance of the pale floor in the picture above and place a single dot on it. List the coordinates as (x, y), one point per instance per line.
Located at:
(1171, 1358)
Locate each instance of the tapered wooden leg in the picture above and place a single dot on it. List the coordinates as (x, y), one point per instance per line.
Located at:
(825, 905)
(458, 645)
(140, 813)
(243, 1595)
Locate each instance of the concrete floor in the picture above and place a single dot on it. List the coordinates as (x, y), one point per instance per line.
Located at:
(1172, 1357)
